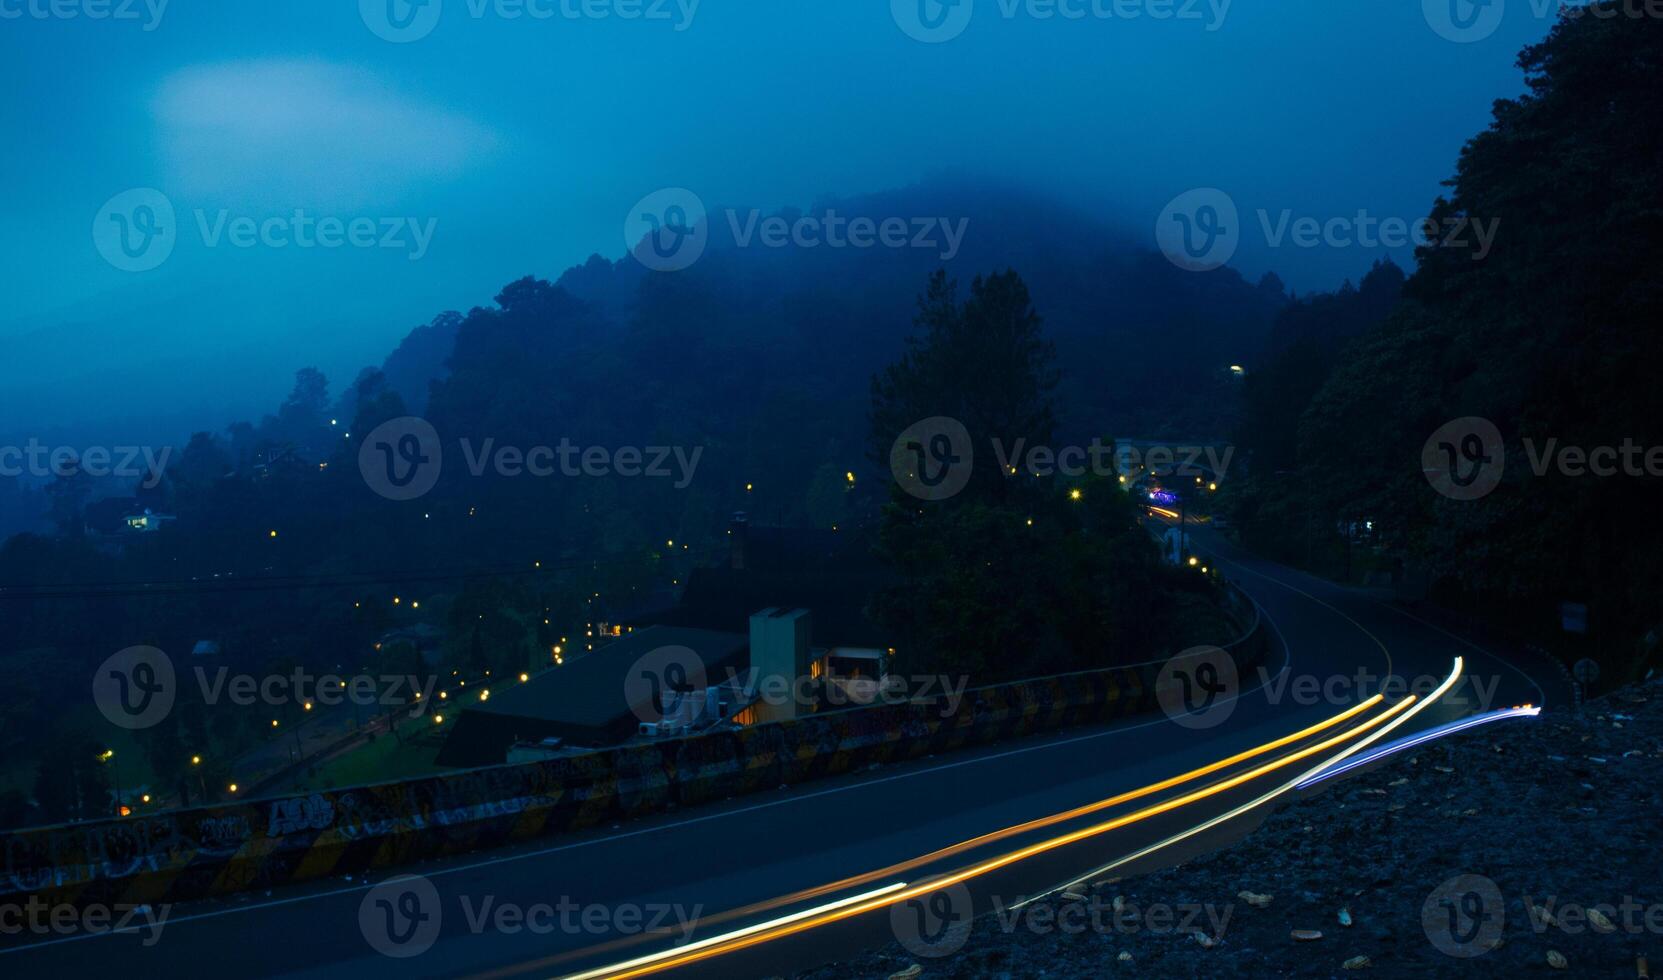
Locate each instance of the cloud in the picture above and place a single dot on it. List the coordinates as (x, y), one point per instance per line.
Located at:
(306, 134)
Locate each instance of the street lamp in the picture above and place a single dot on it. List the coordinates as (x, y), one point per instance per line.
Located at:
(108, 755)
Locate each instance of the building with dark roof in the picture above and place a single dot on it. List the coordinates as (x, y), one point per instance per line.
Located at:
(589, 701)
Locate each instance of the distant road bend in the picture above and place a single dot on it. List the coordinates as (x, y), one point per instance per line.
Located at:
(778, 882)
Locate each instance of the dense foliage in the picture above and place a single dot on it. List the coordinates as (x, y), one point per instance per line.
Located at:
(1552, 336)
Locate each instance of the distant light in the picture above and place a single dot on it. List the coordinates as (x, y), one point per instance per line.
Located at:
(438, 719)
(850, 476)
(749, 487)
(1075, 494)
(415, 605)
(1194, 561)
(196, 760)
(232, 787)
(145, 798)
(274, 723)
(125, 810)
(484, 695)
(273, 534)
(1237, 370)
(524, 677)
(308, 706)
(1212, 486)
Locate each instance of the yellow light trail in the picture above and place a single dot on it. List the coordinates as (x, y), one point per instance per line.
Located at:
(805, 913)
(670, 959)
(1431, 699)
(994, 836)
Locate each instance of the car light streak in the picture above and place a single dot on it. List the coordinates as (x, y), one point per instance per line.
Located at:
(1421, 738)
(1040, 823)
(980, 841)
(768, 932)
(773, 923)
(1432, 698)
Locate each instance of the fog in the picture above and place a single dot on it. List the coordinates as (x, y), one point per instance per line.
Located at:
(507, 139)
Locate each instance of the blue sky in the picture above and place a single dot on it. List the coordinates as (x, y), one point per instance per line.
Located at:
(520, 143)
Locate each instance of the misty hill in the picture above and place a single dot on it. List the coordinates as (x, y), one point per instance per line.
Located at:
(1145, 345)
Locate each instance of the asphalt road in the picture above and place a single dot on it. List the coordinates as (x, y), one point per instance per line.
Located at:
(586, 901)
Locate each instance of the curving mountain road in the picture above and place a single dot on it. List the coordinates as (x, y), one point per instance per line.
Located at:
(586, 902)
